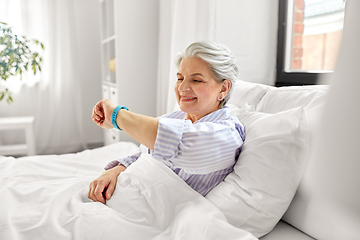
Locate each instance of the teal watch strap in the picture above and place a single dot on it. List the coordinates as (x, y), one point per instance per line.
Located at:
(114, 115)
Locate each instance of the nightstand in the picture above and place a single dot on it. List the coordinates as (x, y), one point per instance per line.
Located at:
(25, 123)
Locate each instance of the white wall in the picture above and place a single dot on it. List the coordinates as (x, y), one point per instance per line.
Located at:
(87, 23)
(137, 30)
(249, 29)
(137, 24)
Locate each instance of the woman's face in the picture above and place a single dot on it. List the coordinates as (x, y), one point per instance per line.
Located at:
(197, 92)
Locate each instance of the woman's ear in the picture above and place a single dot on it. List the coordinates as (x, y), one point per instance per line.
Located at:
(226, 85)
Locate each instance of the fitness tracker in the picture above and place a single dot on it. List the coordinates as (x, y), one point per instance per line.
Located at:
(114, 115)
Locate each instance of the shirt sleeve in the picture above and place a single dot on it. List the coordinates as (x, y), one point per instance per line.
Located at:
(127, 161)
(199, 148)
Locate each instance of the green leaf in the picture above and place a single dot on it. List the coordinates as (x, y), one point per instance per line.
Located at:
(34, 69)
(9, 100)
(2, 95)
(11, 58)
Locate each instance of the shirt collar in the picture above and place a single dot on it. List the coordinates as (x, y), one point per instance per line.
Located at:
(216, 115)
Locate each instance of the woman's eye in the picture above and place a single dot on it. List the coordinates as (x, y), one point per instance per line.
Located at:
(180, 79)
(197, 80)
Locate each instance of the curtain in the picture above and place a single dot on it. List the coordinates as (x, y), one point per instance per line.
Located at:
(182, 22)
(54, 96)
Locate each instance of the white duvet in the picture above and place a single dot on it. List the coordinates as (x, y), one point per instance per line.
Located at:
(45, 197)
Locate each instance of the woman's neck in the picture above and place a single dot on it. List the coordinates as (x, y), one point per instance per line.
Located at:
(193, 117)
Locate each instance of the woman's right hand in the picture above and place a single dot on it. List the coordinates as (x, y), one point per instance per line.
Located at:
(102, 112)
(102, 188)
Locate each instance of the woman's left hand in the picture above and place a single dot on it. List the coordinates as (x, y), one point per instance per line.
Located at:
(102, 112)
(102, 188)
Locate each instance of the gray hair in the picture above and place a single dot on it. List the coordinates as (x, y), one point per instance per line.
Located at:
(220, 59)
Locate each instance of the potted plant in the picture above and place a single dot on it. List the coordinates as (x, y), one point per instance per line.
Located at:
(16, 57)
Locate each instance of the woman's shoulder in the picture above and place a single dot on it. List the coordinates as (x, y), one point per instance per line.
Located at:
(232, 121)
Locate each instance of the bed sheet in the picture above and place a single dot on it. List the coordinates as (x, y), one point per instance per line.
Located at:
(45, 197)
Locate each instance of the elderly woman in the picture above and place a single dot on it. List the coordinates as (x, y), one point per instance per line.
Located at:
(200, 143)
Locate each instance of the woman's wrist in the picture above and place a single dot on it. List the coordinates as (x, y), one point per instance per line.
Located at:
(115, 117)
(118, 169)
(119, 117)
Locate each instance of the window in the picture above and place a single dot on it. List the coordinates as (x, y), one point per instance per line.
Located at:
(309, 38)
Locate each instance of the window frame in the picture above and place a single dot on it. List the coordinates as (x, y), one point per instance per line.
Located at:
(284, 78)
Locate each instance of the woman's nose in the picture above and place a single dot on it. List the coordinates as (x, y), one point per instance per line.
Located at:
(184, 86)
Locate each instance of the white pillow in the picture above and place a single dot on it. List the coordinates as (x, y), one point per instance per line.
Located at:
(246, 92)
(273, 159)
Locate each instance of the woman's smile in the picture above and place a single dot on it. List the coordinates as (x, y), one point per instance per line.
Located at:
(187, 98)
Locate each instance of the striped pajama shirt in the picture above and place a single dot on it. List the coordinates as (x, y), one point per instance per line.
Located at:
(202, 153)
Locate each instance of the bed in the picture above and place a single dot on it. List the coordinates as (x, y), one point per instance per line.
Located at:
(45, 197)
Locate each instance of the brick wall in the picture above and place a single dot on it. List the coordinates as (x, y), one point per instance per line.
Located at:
(297, 51)
(313, 52)
(320, 51)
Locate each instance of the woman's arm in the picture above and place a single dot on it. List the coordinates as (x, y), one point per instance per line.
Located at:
(142, 128)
